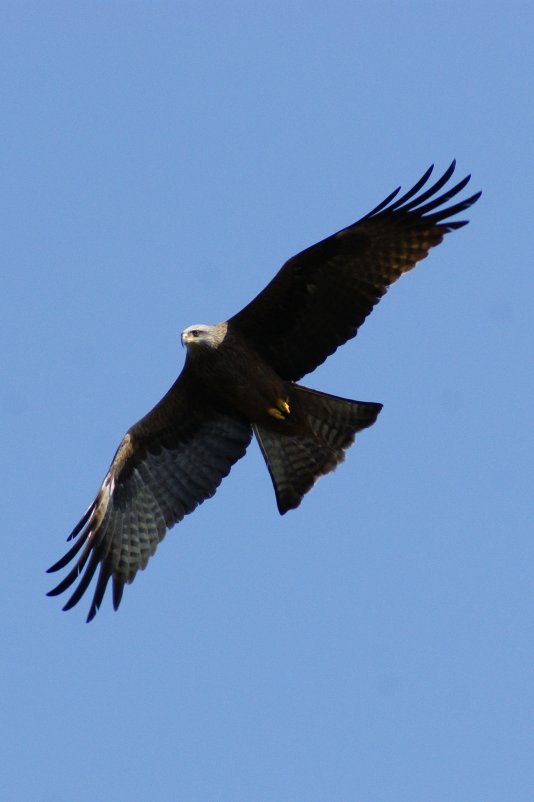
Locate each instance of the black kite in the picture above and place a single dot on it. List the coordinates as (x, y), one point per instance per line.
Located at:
(239, 377)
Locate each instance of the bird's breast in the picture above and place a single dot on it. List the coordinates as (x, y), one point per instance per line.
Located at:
(246, 382)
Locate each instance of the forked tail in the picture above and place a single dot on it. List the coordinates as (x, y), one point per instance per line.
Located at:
(296, 461)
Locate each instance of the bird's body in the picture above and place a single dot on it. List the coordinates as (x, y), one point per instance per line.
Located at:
(239, 378)
(254, 386)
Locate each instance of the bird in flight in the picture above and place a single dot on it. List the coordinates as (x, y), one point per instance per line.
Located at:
(240, 377)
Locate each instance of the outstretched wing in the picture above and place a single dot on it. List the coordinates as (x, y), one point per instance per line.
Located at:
(166, 465)
(319, 298)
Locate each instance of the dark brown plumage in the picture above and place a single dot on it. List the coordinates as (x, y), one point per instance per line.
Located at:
(239, 377)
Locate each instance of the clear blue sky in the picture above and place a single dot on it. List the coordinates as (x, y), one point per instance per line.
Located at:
(159, 163)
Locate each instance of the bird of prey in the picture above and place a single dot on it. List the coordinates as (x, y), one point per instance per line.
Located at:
(240, 377)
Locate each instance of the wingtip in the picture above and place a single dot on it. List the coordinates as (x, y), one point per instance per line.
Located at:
(61, 563)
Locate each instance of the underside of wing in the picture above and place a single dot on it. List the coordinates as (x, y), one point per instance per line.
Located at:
(166, 465)
(320, 297)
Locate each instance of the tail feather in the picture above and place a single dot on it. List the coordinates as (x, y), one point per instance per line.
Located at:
(296, 461)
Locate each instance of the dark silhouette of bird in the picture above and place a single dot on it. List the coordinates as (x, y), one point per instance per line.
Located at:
(240, 377)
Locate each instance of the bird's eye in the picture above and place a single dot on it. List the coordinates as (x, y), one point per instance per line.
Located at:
(195, 333)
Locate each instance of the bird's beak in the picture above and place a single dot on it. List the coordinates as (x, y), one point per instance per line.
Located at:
(183, 338)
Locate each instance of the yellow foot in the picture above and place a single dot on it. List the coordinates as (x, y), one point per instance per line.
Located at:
(282, 405)
(280, 411)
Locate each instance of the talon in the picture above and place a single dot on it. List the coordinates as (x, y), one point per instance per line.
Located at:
(282, 405)
(280, 411)
(275, 413)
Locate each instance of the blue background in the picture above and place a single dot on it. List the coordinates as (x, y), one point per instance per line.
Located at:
(159, 162)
